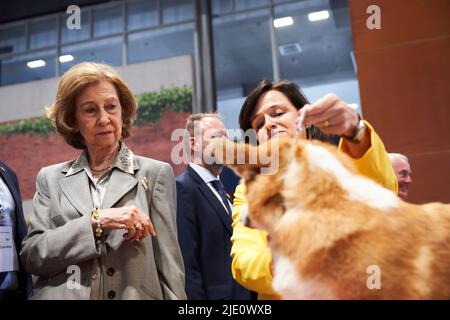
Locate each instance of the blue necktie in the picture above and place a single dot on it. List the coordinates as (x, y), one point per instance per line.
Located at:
(221, 190)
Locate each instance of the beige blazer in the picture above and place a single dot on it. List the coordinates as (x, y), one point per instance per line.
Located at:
(60, 240)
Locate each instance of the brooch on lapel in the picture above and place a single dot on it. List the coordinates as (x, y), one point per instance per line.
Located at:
(144, 183)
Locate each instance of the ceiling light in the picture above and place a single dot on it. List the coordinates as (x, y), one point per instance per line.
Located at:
(36, 64)
(318, 15)
(283, 22)
(65, 58)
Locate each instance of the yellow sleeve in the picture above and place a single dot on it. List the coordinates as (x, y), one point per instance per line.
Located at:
(375, 163)
(251, 256)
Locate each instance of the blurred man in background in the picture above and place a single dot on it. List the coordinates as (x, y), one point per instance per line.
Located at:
(204, 218)
(402, 169)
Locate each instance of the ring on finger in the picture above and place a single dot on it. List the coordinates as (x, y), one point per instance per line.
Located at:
(138, 226)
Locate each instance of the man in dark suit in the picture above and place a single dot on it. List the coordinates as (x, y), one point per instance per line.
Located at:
(15, 283)
(204, 219)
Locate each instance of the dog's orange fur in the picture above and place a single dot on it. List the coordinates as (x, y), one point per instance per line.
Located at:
(331, 239)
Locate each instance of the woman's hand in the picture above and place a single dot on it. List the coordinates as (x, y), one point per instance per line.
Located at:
(130, 218)
(331, 115)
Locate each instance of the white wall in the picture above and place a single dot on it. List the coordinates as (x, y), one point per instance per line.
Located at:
(27, 100)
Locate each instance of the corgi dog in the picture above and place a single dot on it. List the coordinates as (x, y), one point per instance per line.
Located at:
(334, 233)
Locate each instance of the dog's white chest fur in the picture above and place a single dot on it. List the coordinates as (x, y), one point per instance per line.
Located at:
(293, 287)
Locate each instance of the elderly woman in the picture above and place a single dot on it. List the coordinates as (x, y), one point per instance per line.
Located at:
(89, 236)
(273, 110)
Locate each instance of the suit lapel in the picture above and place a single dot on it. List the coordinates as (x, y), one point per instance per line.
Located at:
(121, 183)
(212, 199)
(74, 188)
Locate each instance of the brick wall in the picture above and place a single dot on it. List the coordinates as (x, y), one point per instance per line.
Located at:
(28, 154)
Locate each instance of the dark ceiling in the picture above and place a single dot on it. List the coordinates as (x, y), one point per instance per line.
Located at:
(21, 9)
(11, 10)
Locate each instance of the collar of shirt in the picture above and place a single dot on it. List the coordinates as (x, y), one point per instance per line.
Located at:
(208, 177)
(123, 161)
(204, 173)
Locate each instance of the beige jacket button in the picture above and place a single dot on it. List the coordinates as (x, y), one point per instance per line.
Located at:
(111, 294)
(110, 272)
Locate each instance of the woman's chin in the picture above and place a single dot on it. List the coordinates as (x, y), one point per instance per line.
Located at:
(280, 135)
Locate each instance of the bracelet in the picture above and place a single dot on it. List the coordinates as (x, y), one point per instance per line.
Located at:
(359, 133)
(98, 229)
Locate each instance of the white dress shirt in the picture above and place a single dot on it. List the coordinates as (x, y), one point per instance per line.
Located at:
(208, 177)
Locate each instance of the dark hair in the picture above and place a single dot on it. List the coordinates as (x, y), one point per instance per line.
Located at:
(292, 91)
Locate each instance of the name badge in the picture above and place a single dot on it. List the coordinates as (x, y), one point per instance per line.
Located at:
(9, 260)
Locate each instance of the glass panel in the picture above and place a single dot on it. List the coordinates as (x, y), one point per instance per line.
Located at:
(161, 43)
(71, 35)
(221, 6)
(42, 33)
(108, 20)
(142, 14)
(12, 39)
(177, 10)
(242, 52)
(107, 51)
(246, 4)
(16, 70)
(318, 54)
(229, 110)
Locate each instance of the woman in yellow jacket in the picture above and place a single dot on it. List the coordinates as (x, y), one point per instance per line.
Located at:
(273, 110)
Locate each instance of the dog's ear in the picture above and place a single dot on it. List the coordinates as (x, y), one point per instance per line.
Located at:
(241, 157)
